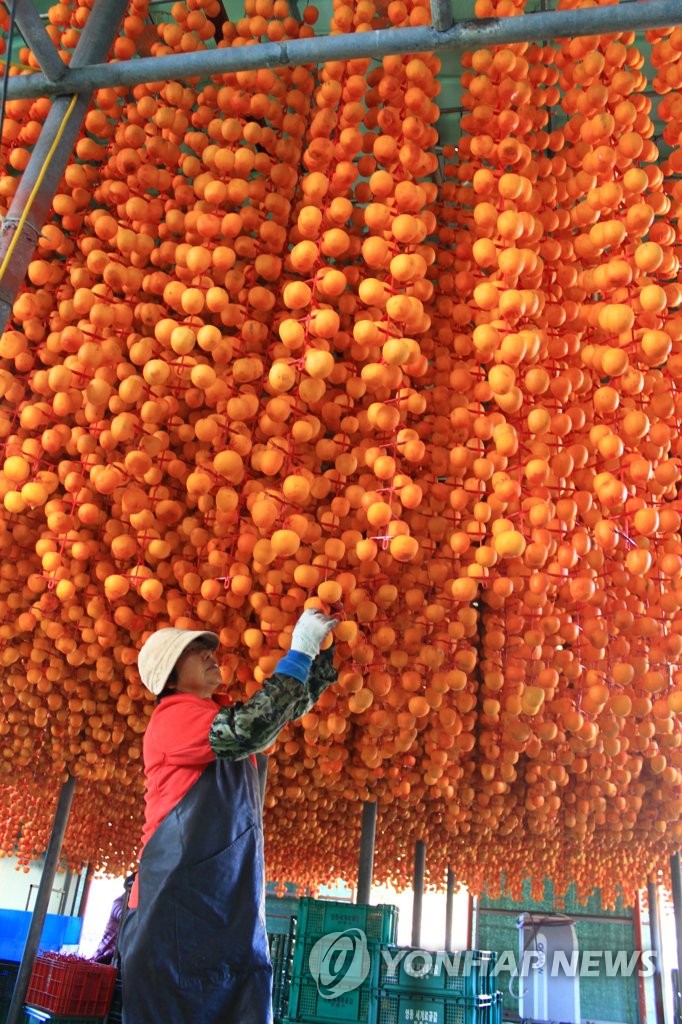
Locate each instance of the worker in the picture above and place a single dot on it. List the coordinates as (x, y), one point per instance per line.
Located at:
(194, 946)
(107, 951)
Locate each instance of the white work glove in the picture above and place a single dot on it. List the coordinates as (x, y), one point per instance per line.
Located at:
(310, 630)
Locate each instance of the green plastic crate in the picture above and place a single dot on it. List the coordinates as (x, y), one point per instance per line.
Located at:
(303, 950)
(279, 925)
(307, 1006)
(422, 1008)
(351, 962)
(317, 917)
(278, 913)
(467, 972)
(282, 959)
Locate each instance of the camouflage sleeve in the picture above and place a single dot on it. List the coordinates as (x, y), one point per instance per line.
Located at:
(243, 729)
(322, 675)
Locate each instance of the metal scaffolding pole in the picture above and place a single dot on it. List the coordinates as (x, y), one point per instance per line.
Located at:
(474, 922)
(64, 123)
(81, 897)
(52, 854)
(441, 15)
(639, 944)
(449, 904)
(36, 37)
(676, 880)
(655, 930)
(464, 35)
(366, 864)
(418, 886)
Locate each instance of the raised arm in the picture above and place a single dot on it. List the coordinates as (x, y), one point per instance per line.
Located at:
(299, 679)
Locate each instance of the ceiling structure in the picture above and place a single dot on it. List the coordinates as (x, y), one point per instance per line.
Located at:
(448, 647)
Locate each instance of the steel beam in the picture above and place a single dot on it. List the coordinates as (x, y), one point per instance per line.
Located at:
(36, 38)
(464, 35)
(61, 818)
(367, 838)
(96, 39)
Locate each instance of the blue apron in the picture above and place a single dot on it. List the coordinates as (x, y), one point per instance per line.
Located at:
(195, 950)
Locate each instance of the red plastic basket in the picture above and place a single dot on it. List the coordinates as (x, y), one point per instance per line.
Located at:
(70, 985)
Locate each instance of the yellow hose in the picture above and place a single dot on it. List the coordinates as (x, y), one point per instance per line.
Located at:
(34, 190)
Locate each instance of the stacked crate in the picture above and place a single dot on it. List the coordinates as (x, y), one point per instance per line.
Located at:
(8, 976)
(318, 919)
(67, 988)
(282, 958)
(115, 1015)
(416, 987)
(35, 1016)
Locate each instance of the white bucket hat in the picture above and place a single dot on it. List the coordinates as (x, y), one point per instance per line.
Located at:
(162, 649)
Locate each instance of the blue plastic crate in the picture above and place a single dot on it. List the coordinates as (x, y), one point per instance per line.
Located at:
(318, 917)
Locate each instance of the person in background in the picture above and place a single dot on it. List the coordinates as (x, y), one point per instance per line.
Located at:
(106, 952)
(194, 946)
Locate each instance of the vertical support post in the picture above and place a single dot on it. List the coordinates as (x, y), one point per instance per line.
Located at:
(219, 19)
(472, 930)
(676, 879)
(418, 887)
(31, 204)
(641, 988)
(80, 897)
(449, 905)
(367, 838)
(54, 847)
(441, 15)
(655, 930)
